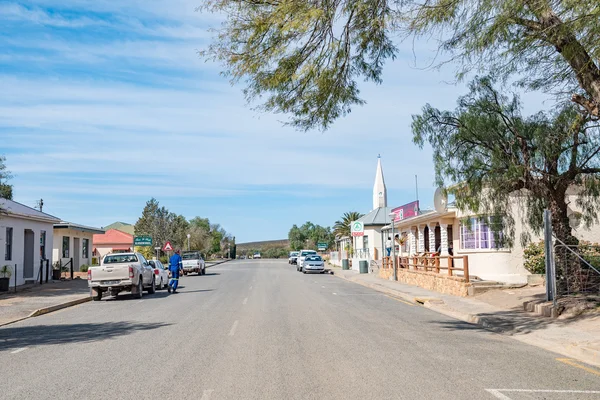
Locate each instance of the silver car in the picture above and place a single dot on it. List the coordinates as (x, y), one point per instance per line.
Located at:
(313, 263)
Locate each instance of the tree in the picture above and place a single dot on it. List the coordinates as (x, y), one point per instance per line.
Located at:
(495, 155)
(341, 228)
(156, 222)
(6, 190)
(308, 236)
(305, 57)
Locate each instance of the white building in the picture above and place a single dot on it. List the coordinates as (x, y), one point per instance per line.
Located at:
(371, 246)
(72, 241)
(24, 235)
(447, 231)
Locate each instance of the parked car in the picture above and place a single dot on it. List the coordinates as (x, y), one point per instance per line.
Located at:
(129, 272)
(193, 262)
(293, 257)
(313, 263)
(302, 256)
(257, 255)
(161, 274)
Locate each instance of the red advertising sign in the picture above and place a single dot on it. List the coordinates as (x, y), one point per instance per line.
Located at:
(406, 211)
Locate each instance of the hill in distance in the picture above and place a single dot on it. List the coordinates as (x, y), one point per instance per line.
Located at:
(283, 243)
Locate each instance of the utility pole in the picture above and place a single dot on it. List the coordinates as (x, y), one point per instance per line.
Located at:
(40, 204)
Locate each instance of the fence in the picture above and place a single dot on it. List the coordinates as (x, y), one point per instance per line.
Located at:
(431, 263)
(571, 269)
(577, 269)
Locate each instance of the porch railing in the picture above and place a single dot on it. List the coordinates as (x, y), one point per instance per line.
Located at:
(430, 263)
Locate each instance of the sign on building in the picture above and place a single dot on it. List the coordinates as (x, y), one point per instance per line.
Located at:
(357, 228)
(406, 211)
(142, 241)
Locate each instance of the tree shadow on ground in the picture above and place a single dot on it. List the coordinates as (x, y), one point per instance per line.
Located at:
(43, 335)
(512, 322)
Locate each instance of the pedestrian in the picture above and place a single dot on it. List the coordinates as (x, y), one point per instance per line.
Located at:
(175, 266)
(388, 246)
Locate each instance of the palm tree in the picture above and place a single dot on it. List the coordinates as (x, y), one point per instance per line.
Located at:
(341, 228)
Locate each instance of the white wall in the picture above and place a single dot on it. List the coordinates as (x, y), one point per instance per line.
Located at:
(19, 225)
(72, 234)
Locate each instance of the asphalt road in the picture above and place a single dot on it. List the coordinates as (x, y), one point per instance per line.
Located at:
(260, 330)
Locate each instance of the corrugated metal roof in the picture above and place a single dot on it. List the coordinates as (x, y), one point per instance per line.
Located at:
(83, 228)
(379, 216)
(21, 210)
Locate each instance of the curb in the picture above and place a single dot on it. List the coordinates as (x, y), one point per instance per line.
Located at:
(47, 310)
(582, 353)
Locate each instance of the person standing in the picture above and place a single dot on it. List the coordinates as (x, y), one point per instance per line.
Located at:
(388, 246)
(175, 266)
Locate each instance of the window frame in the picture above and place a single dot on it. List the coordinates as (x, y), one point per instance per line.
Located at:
(85, 248)
(8, 243)
(68, 246)
(478, 233)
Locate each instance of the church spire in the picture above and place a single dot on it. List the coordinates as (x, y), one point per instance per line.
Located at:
(379, 189)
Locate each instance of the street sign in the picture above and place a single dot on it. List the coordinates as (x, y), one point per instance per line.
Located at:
(322, 246)
(168, 247)
(357, 228)
(142, 241)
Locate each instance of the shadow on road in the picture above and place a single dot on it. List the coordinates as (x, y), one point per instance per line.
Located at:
(193, 291)
(211, 273)
(42, 335)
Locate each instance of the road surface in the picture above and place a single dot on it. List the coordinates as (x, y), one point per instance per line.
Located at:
(257, 329)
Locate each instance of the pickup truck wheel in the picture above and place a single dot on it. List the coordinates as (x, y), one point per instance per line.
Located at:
(152, 288)
(96, 295)
(140, 288)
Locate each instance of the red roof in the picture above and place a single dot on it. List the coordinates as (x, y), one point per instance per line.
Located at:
(113, 236)
(126, 248)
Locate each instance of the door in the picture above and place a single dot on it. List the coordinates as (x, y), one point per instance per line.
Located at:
(28, 253)
(76, 254)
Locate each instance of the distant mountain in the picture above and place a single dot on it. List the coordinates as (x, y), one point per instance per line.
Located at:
(262, 245)
(121, 226)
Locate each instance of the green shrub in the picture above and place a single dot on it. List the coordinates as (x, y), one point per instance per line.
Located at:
(534, 258)
(84, 268)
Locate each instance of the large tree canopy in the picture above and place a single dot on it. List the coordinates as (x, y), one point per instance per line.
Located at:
(491, 152)
(305, 57)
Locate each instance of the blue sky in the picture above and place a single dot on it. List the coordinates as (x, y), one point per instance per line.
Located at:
(105, 104)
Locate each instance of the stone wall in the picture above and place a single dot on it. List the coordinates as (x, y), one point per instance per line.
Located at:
(453, 285)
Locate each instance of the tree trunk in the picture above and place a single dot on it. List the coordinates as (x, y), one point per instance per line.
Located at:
(564, 40)
(567, 264)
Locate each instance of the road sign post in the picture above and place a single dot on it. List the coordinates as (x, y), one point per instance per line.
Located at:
(168, 247)
(322, 246)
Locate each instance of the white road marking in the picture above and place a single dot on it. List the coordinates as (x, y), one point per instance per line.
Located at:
(497, 392)
(335, 293)
(18, 350)
(141, 301)
(323, 287)
(251, 287)
(206, 394)
(232, 331)
(245, 301)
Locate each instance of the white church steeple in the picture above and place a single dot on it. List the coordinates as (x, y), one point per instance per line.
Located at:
(379, 189)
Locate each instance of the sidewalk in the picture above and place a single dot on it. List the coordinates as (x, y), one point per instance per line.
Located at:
(577, 337)
(40, 299)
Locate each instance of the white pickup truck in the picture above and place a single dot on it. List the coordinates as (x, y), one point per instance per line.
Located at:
(129, 272)
(193, 262)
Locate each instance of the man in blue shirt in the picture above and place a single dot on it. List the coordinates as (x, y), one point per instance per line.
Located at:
(175, 266)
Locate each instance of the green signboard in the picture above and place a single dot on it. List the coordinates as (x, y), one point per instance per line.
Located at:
(142, 241)
(322, 246)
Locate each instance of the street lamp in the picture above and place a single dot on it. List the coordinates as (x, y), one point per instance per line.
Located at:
(189, 236)
(393, 217)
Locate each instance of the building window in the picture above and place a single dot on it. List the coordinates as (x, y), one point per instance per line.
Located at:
(65, 246)
(365, 242)
(478, 233)
(9, 244)
(43, 245)
(86, 247)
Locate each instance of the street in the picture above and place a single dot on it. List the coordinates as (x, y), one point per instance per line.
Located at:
(257, 329)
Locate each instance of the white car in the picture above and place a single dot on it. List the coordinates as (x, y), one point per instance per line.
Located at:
(193, 262)
(293, 256)
(313, 263)
(257, 256)
(129, 272)
(302, 256)
(161, 274)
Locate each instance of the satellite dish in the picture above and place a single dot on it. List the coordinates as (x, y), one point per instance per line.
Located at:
(440, 200)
